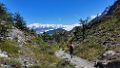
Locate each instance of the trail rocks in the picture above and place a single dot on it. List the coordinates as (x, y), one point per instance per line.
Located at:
(3, 54)
(110, 55)
(78, 62)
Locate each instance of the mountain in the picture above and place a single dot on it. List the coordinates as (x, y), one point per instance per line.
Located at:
(56, 30)
(21, 47)
(40, 28)
(48, 30)
(101, 34)
(114, 9)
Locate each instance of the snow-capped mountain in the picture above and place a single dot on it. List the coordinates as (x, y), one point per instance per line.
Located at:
(56, 30)
(40, 28)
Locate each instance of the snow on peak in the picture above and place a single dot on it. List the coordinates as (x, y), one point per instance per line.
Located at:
(37, 25)
(40, 28)
(53, 26)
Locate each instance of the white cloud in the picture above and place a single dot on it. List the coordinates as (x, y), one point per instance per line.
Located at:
(93, 16)
(55, 26)
(70, 27)
(37, 25)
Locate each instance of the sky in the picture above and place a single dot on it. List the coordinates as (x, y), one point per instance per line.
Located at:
(64, 12)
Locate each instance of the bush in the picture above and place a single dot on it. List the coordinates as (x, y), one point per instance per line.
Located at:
(65, 64)
(10, 47)
(35, 66)
(89, 50)
(14, 63)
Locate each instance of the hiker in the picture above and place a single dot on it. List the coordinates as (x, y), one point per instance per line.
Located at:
(71, 49)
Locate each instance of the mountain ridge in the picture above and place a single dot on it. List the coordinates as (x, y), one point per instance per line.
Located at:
(40, 28)
(101, 35)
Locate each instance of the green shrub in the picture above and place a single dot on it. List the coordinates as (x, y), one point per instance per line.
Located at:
(10, 47)
(65, 64)
(35, 66)
(14, 62)
(89, 50)
(43, 53)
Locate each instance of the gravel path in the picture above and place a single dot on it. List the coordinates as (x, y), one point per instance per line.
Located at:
(78, 62)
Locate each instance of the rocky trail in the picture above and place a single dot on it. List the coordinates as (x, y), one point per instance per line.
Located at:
(78, 62)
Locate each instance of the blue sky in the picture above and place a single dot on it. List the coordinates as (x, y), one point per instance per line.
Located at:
(56, 11)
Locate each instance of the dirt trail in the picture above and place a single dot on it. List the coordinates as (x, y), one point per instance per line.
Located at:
(78, 62)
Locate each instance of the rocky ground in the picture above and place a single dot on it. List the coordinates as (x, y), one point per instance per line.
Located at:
(78, 62)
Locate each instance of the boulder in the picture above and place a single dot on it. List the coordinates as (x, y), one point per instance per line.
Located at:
(110, 55)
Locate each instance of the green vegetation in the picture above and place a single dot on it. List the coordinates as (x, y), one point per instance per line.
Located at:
(93, 39)
(46, 37)
(5, 22)
(102, 35)
(35, 48)
(42, 53)
(64, 64)
(35, 66)
(10, 47)
(89, 50)
(60, 37)
(13, 62)
(19, 22)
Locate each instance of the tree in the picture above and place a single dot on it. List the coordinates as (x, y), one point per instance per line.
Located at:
(4, 29)
(46, 37)
(77, 33)
(83, 23)
(5, 22)
(3, 10)
(4, 14)
(60, 36)
(19, 22)
(32, 31)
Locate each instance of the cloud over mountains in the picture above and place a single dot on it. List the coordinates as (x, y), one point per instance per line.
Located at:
(40, 28)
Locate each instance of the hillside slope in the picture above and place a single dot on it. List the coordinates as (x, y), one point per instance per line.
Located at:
(102, 34)
(20, 46)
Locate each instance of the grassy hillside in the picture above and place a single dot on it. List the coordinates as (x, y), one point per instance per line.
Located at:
(101, 36)
(22, 45)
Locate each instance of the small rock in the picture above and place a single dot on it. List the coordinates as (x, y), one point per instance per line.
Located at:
(109, 55)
